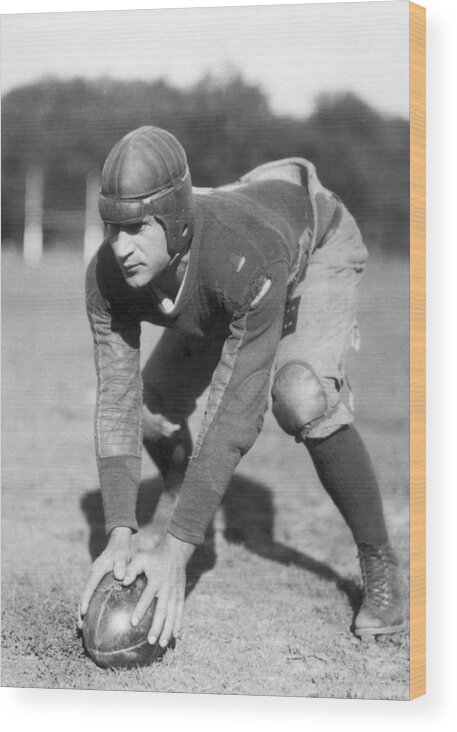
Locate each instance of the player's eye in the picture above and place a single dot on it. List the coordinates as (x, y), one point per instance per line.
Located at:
(133, 229)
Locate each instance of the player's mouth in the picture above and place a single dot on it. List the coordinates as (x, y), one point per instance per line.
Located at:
(131, 269)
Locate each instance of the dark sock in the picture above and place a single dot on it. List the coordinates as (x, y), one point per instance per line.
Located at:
(345, 470)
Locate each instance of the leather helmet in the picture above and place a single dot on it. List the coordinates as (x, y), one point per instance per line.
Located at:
(146, 173)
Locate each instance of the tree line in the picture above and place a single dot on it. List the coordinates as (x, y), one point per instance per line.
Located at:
(227, 127)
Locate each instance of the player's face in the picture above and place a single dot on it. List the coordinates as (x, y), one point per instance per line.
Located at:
(140, 251)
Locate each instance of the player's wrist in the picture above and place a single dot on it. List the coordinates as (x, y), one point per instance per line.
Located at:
(182, 550)
(120, 535)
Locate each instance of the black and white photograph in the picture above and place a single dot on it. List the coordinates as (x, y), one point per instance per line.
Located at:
(205, 350)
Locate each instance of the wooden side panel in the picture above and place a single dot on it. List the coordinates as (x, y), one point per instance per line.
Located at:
(417, 353)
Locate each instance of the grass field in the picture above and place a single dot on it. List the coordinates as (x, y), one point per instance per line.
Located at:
(275, 585)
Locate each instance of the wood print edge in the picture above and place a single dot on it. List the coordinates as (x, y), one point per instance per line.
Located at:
(417, 351)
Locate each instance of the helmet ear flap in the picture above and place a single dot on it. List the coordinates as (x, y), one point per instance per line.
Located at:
(175, 213)
(146, 173)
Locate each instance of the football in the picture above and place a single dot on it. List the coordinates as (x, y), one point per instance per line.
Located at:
(109, 638)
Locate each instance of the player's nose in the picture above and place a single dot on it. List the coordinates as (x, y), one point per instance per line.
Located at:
(122, 245)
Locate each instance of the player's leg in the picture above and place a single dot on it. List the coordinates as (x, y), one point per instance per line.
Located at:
(345, 470)
(308, 403)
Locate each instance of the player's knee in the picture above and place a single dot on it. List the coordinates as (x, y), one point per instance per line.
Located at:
(299, 399)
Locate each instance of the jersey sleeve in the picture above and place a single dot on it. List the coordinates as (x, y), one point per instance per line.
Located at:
(117, 427)
(235, 409)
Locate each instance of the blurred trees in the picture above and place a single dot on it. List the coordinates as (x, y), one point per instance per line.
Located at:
(226, 127)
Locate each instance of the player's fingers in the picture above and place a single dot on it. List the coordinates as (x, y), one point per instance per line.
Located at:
(179, 616)
(169, 622)
(159, 617)
(143, 603)
(134, 568)
(120, 560)
(98, 572)
(79, 618)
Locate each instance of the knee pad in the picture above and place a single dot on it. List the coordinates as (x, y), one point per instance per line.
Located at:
(299, 399)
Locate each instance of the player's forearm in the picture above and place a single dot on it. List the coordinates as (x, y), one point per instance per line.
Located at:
(119, 403)
(208, 476)
(119, 481)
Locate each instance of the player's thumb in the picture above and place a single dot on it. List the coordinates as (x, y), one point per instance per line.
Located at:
(133, 569)
(120, 565)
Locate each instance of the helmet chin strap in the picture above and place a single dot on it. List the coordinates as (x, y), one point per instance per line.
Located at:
(166, 294)
(177, 256)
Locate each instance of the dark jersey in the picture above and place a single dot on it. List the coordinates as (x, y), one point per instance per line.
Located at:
(248, 248)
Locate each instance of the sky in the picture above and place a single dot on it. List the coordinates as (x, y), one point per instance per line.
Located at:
(294, 52)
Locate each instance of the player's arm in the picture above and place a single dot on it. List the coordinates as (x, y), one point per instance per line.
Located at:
(232, 422)
(236, 406)
(118, 442)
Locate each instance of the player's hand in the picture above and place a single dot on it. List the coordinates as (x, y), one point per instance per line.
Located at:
(165, 569)
(115, 557)
(156, 426)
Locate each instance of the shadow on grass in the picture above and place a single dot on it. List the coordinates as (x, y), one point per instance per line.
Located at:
(150, 491)
(249, 516)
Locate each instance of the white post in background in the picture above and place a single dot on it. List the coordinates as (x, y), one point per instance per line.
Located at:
(33, 215)
(93, 226)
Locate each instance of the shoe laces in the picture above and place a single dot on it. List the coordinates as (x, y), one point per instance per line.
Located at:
(376, 564)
